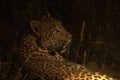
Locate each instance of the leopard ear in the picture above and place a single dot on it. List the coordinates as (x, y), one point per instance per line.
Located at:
(35, 25)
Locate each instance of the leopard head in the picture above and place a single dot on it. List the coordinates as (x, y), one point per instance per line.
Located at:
(50, 33)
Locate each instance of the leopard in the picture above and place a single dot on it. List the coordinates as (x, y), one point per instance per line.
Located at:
(40, 53)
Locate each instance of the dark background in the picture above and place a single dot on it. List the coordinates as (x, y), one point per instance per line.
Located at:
(94, 24)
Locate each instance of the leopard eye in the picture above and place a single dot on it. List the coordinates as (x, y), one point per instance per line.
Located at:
(57, 28)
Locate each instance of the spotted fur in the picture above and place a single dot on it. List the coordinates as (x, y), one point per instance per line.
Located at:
(48, 35)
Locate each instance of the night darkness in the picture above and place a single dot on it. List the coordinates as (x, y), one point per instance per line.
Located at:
(94, 24)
